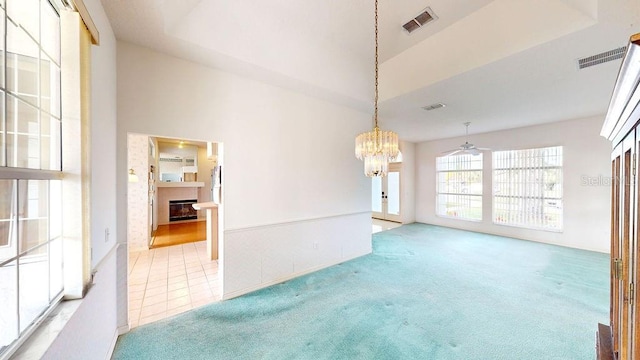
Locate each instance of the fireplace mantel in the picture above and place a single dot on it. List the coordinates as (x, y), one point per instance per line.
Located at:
(177, 184)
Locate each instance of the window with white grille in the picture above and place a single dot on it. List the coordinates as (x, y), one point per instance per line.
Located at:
(459, 190)
(31, 251)
(527, 188)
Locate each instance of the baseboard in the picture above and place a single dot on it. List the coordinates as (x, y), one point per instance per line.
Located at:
(123, 329)
(113, 343)
(497, 232)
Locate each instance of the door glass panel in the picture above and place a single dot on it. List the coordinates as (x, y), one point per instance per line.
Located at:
(376, 194)
(393, 191)
(616, 292)
(626, 237)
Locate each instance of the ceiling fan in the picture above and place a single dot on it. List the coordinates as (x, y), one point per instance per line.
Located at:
(466, 148)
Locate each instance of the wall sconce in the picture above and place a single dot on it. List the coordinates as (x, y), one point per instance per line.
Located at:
(132, 176)
(212, 150)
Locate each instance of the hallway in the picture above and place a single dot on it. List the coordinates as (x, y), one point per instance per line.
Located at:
(170, 280)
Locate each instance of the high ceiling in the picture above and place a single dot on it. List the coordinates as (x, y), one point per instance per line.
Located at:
(497, 63)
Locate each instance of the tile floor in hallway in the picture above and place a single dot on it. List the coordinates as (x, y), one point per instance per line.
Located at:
(382, 225)
(170, 280)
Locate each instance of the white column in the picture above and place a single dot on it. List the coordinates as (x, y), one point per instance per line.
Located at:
(212, 227)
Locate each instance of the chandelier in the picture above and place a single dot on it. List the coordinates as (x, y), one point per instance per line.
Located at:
(377, 147)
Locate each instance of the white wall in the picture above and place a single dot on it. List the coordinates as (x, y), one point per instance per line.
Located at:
(288, 163)
(204, 174)
(586, 208)
(103, 136)
(91, 331)
(407, 182)
(281, 142)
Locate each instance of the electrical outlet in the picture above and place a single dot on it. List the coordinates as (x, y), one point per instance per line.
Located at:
(315, 245)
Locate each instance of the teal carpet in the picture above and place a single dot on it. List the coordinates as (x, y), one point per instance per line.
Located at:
(426, 292)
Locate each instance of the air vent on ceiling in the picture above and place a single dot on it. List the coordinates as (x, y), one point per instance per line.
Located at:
(602, 58)
(434, 106)
(425, 17)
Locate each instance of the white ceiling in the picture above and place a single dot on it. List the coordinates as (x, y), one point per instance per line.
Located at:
(497, 63)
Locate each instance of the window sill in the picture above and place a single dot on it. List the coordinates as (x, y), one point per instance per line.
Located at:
(458, 218)
(530, 227)
(47, 331)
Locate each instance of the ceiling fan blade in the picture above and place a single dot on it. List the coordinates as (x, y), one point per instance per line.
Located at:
(448, 151)
(469, 148)
(451, 152)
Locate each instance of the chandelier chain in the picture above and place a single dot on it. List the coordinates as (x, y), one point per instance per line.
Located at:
(377, 148)
(375, 102)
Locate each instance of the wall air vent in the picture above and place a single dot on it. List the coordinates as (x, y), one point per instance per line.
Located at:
(425, 17)
(434, 106)
(602, 58)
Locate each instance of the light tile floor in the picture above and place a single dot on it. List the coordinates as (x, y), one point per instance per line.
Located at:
(170, 280)
(382, 225)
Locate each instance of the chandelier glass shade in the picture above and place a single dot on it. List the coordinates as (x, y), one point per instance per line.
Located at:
(376, 147)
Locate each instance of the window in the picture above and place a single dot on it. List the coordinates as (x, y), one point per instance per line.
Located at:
(528, 188)
(30, 165)
(459, 193)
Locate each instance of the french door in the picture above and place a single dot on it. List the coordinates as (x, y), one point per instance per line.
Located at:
(385, 195)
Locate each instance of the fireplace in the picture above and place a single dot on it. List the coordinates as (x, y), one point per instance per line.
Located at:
(182, 210)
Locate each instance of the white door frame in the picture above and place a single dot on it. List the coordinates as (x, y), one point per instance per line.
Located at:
(384, 214)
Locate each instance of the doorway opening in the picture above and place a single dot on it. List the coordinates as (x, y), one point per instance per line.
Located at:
(172, 267)
(385, 195)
